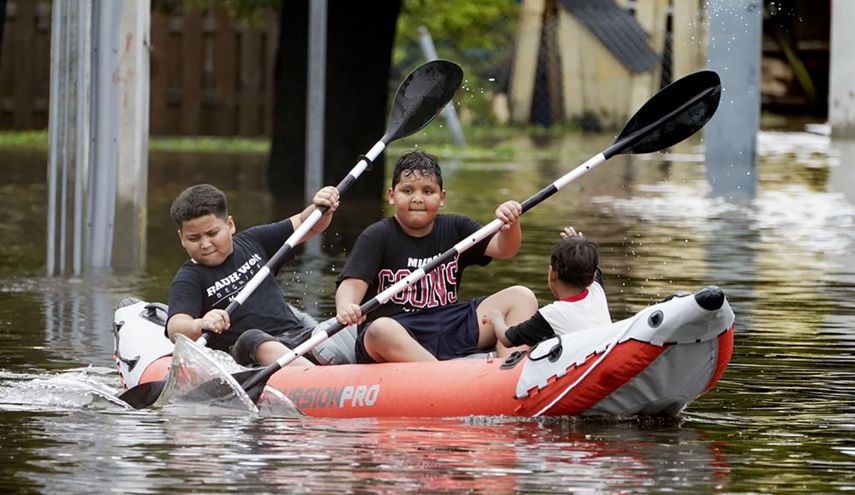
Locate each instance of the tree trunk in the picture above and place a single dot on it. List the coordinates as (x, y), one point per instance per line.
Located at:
(360, 37)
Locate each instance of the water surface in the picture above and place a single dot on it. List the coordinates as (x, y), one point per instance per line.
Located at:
(781, 419)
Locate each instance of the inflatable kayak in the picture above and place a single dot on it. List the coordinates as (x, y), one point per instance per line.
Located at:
(654, 363)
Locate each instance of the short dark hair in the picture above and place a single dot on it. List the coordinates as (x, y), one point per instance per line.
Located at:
(198, 201)
(417, 161)
(575, 260)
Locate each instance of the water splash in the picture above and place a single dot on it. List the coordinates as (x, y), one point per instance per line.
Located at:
(78, 388)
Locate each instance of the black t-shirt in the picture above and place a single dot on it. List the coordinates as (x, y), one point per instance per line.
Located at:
(196, 289)
(384, 254)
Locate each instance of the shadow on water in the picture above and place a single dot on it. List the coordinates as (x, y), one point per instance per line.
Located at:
(781, 418)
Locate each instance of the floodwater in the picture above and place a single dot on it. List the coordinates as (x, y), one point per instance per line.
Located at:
(782, 419)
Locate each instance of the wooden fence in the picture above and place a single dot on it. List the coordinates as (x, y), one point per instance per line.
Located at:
(210, 74)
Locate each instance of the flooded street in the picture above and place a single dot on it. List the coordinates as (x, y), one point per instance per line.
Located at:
(782, 418)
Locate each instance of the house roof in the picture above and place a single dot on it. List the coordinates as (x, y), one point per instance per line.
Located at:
(618, 30)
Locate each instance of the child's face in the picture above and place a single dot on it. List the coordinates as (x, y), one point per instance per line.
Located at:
(417, 199)
(208, 239)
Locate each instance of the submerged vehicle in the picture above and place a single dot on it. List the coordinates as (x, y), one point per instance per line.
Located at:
(654, 363)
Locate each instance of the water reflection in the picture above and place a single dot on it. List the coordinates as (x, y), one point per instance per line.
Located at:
(275, 454)
(781, 417)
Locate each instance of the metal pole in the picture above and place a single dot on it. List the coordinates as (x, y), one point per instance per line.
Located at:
(53, 134)
(736, 28)
(102, 172)
(64, 140)
(315, 106)
(82, 124)
(315, 98)
(449, 113)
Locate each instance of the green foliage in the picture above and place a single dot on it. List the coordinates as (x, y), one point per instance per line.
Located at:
(474, 24)
(477, 34)
(27, 139)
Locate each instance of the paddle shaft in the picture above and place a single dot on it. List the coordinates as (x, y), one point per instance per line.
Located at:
(332, 326)
(418, 100)
(295, 238)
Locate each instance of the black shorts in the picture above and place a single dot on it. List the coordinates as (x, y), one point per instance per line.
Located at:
(447, 332)
(244, 349)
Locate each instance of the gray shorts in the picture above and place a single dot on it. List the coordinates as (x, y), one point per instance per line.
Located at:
(244, 349)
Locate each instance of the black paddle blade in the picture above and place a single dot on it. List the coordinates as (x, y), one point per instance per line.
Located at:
(216, 389)
(254, 392)
(674, 113)
(143, 395)
(421, 96)
(254, 385)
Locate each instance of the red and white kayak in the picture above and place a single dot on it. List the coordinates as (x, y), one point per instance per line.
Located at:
(655, 362)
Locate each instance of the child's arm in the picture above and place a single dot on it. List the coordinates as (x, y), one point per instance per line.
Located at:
(507, 242)
(529, 332)
(216, 320)
(328, 196)
(347, 298)
(500, 327)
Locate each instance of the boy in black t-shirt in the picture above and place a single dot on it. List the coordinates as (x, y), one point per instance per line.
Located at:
(221, 263)
(426, 322)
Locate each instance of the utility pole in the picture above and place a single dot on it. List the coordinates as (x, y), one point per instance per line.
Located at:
(98, 135)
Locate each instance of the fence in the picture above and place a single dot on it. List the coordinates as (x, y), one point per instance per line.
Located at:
(25, 66)
(210, 74)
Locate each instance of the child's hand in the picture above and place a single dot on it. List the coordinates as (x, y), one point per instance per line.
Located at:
(216, 320)
(328, 196)
(509, 212)
(494, 318)
(569, 232)
(350, 315)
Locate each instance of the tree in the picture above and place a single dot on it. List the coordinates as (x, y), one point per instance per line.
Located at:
(360, 37)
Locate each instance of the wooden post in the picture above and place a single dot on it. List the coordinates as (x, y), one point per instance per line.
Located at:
(224, 71)
(192, 56)
(249, 97)
(570, 53)
(688, 38)
(652, 15)
(841, 99)
(22, 43)
(525, 60)
(164, 118)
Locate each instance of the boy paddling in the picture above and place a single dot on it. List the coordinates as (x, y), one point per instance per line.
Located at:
(426, 322)
(221, 263)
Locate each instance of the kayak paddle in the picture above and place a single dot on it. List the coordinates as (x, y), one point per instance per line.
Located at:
(674, 113)
(419, 98)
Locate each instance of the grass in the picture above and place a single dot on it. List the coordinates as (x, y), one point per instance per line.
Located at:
(24, 139)
(194, 144)
(484, 142)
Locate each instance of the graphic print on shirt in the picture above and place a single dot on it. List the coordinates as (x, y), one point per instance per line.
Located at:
(437, 288)
(229, 286)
